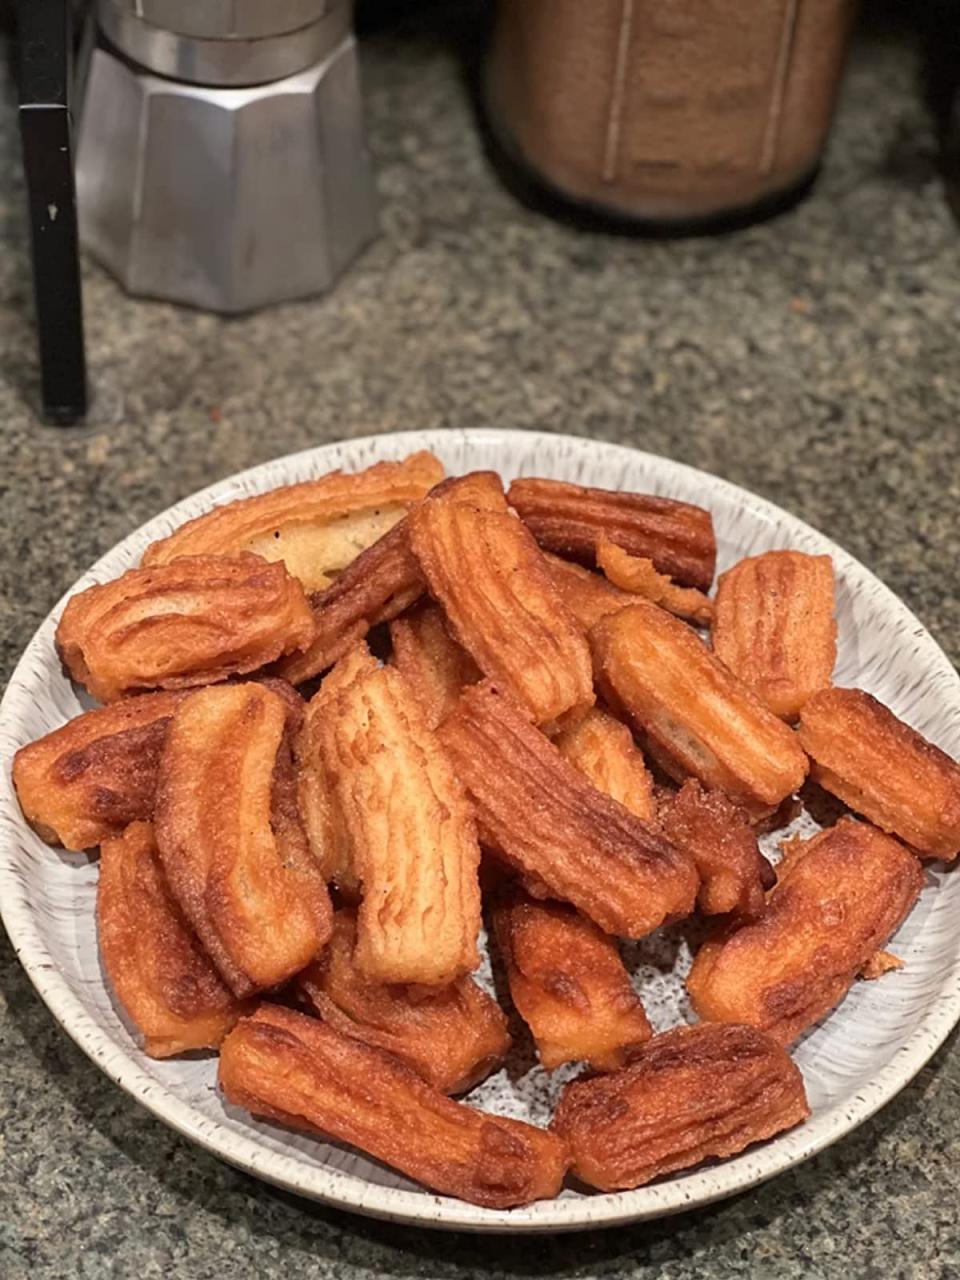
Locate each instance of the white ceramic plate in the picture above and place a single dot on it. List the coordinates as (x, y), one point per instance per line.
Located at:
(853, 1062)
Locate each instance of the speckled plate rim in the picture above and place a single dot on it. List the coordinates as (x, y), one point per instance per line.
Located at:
(346, 1191)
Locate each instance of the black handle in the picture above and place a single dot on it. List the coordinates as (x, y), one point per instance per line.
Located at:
(46, 133)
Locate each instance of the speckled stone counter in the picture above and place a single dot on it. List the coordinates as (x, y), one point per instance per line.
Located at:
(813, 360)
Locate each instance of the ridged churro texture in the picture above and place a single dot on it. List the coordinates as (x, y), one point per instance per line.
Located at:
(320, 809)
(719, 838)
(161, 975)
(230, 838)
(304, 1073)
(377, 586)
(883, 769)
(488, 574)
(568, 839)
(454, 1037)
(690, 1094)
(570, 520)
(316, 528)
(839, 896)
(568, 983)
(603, 750)
(192, 622)
(696, 718)
(774, 626)
(639, 576)
(412, 835)
(434, 664)
(86, 781)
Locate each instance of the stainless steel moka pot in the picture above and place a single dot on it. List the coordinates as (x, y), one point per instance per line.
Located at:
(221, 158)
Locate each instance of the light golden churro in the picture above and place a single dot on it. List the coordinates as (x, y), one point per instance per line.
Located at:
(316, 528)
(696, 718)
(638, 575)
(605, 753)
(774, 627)
(413, 841)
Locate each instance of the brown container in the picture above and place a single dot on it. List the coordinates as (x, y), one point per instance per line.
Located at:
(667, 111)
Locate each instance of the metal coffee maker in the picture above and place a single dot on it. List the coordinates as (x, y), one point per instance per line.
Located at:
(221, 158)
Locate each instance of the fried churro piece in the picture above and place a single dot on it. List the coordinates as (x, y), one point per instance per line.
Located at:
(377, 586)
(774, 627)
(434, 664)
(301, 1072)
(487, 572)
(638, 575)
(316, 528)
(170, 989)
(838, 898)
(568, 984)
(879, 766)
(697, 719)
(589, 596)
(320, 810)
(193, 622)
(689, 1094)
(89, 779)
(453, 1037)
(571, 519)
(413, 840)
(604, 751)
(570, 839)
(719, 838)
(230, 838)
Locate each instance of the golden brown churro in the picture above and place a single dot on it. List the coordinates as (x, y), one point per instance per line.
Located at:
(568, 984)
(87, 780)
(883, 769)
(570, 839)
(191, 622)
(570, 520)
(300, 1071)
(453, 1036)
(690, 1093)
(230, 838)
(161, 975)
(839, 896)
(487, 572)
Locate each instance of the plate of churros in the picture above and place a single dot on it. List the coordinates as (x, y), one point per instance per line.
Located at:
(489, 830)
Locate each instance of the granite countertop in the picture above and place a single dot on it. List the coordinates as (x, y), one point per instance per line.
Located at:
(812, 359)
